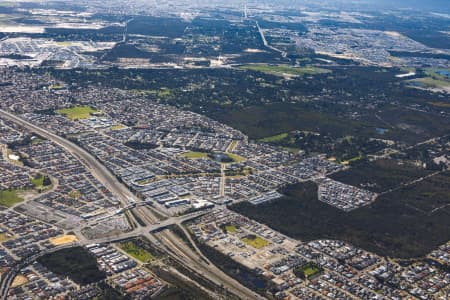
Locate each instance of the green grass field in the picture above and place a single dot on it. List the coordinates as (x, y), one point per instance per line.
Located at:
(230, 228)
(9, 198)
(236, 158)
(433, 79)
(434, 83)
(311, 271)
(433, 73)
(285, 69)
(274, 138)
(307, 270)
(41, 182)
(136, 252)
(195, 155)
(38, 181)
(77, 112)
(164, 92)
(255, 241)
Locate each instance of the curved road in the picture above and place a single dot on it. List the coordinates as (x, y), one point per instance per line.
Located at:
(8, 277)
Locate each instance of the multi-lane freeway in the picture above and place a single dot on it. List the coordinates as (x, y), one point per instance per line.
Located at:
(266, 44)
(177, 248)
(97, 169)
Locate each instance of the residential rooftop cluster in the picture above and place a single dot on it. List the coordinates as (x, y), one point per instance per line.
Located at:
(172, 159)
(138, 283)
(442, 254)
(139, 145)
(343, 196)
(37, 282)
(77, 193)
(9, 132)
(122, 273)
(23, 237)
(110, 260)
(74, 195)
(125, 274)
(368, 46)
(265, 197)
(333, 269)
(13, 176)
(138, 140)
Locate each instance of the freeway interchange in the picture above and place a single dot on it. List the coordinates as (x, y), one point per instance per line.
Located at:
(192, 260)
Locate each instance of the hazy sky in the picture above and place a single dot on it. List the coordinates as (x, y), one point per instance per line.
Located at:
(418, 4)
(415, 3)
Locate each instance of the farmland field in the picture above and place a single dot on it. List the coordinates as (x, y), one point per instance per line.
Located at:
(285, 69)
